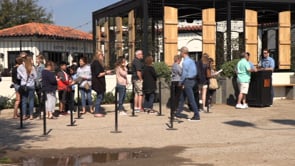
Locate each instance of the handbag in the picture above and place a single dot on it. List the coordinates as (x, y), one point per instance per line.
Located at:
(213, 84)
(86, 86)
(23, 89)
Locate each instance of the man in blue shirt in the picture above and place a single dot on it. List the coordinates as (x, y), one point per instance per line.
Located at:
(267, 63)
(188, 81)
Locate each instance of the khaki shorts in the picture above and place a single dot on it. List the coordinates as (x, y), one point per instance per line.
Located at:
(138, 88)
(244, 87)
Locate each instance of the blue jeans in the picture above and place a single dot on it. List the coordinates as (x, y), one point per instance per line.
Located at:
(189, 93)
(85, 95)
(99, 99)
(122, 93)
(28, 98)
(149, 100)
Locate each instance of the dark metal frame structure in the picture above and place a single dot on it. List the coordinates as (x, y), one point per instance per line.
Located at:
(226, 10)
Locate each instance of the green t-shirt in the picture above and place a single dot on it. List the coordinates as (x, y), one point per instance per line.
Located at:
(242, 70)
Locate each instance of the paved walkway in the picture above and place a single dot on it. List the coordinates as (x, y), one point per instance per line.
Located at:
(254, 136)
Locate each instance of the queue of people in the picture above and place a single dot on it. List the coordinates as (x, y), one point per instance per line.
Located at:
(190, 80)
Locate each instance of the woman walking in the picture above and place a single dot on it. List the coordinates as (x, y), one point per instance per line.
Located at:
(84, 74)
(122, 82)
(27, 74)
(98, 73)
(49, 87)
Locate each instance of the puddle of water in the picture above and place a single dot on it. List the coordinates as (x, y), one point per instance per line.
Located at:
(76, 160)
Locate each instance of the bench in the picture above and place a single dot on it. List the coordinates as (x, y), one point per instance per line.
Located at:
(284, 85)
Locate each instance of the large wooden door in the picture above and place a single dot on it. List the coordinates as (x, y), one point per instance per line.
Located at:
(209, 32)
(285, 40)
(119, 37)
(251, 35)
(131, 35)
(107, 43)
(170, 34)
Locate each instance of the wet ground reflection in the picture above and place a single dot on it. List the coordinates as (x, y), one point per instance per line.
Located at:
(77, 160)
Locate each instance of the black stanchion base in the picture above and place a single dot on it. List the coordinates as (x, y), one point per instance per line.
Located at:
(21, 128)
(116, 132)
(47, 133)
(79, 117)
(169, 127)
(72, 124)
(160, 114)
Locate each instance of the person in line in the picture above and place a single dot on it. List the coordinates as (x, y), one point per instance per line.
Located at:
(149, 84)
(16, 84)
(137, 67)
(188, 81)
(175, 80)
(267, 63)
(122, 82)
(63, 86)
(27, 74)
(71, 94)
(39, 68)
(213, 74)
(49, 87)
(98, 73)
(84, 74)
(243, 70)
(203, 78)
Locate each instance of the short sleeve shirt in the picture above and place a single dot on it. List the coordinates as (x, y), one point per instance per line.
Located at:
(137, 65)
(268, 63)
(242, 71)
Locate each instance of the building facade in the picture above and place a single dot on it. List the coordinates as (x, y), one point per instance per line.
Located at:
(55, 43)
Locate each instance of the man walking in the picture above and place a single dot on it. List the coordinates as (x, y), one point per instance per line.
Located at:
(137, 68)
(243, 71)
(188, 81)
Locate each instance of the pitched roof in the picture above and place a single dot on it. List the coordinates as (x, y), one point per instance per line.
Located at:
(45, 30)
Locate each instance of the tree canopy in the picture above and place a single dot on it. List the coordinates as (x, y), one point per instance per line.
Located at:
(16, 12)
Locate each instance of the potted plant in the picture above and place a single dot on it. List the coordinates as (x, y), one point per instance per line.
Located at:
(228, 83)
(164, 77)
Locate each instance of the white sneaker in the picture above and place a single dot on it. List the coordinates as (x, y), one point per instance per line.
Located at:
(239, 106)
(123, 113)
(245, 106)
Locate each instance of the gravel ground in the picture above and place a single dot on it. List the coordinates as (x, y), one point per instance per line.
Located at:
(226, 137)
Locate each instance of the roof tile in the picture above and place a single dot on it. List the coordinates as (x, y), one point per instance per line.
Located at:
(42, 29)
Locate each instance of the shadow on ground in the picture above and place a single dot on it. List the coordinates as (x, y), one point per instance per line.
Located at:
(13, 138)
(239, 123)
(290, 122)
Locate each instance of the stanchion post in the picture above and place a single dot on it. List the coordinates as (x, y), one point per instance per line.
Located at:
(133, 101)
(160, 99)
(21, 126)
(79, 113)
(116, 112)
(72, 106)
(172, 105)
(44, 114)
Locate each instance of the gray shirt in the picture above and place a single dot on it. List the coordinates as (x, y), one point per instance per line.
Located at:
(176, 72)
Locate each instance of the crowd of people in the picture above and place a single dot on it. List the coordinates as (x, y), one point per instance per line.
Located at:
(190, 79)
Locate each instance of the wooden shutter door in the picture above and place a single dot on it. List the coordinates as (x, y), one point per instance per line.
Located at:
(170, 34)
(209, 32)
(285, 40)
(251, 35)
(107, 43)
(131, 34)
(119, 37)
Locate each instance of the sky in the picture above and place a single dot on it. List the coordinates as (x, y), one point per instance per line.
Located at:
(74, 13)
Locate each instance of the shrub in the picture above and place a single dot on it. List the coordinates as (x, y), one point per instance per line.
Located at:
(229, 68)
(162, 70)
(6, 102)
